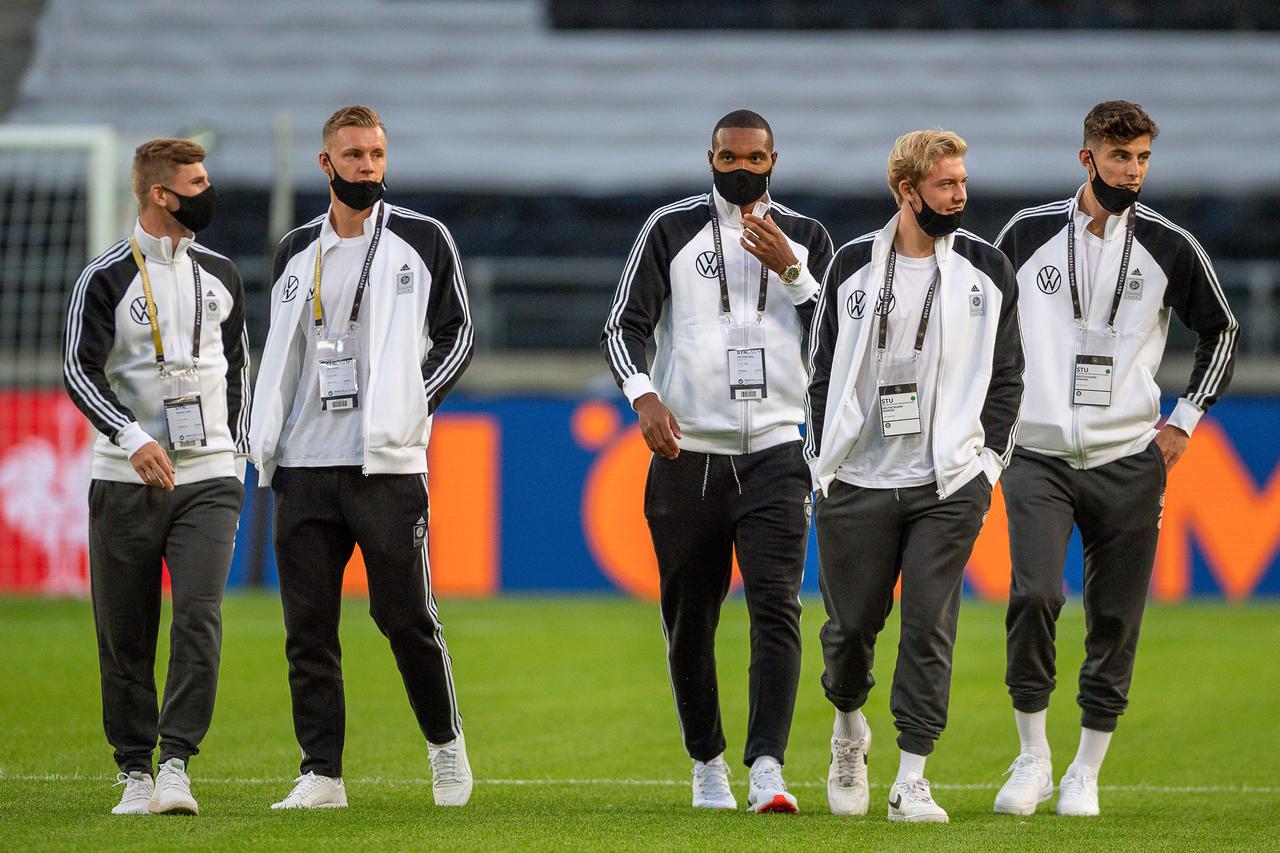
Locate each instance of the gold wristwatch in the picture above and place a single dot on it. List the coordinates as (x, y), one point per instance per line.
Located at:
(792, 273)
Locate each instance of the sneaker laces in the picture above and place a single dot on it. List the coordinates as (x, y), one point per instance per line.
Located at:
(444, 765)
(1076, 781)
(712, 778)
(844, 755)
(303, 785)
(769, 779)
(1025, 770)
(134, 786)
(916, 789)
(170, 776)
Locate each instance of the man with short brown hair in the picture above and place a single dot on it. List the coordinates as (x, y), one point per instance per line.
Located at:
(157, 358)
(1099, 276)
(370, 329)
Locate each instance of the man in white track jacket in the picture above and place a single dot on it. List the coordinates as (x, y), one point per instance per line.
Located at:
(1099, 277)
(917, 377)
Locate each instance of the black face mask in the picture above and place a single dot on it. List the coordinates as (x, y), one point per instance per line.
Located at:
(932, 222)
(741, 186)
(1113, 199)
(195, 212)
(357, 195)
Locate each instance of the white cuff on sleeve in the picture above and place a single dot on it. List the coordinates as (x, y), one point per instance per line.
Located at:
(1186, 415)
(637, 386)
(804, 288)
(133, 438)
(991, 465)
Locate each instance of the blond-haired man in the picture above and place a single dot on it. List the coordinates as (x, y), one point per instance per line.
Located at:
(370, 329)
(914, 392)
(156, 357)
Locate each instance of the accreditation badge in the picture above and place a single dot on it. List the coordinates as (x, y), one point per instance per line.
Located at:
(898, 389)
(1095, 370)
(183, 414)
(747, 374)
(338, 374)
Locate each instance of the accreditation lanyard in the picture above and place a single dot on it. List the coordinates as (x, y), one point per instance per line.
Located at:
(317, 308)
(886, 303)
(726, 310)
(152, 316)
(1076, 311)
(1096, 359)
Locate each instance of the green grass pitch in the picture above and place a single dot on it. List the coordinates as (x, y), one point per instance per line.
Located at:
(574, 743)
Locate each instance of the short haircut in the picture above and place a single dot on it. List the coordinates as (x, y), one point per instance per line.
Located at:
(742, 118)
(353, 116)
(155, 162)
(914, 153)
(1118, 121)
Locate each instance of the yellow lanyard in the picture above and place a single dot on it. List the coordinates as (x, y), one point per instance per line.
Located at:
(151, 306)
(317, 310)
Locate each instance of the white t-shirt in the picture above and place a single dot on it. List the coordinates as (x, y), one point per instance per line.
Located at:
(901, 461)
(313, 437)
(1087, 271)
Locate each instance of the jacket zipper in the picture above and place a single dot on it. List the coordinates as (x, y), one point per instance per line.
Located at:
(938, 383)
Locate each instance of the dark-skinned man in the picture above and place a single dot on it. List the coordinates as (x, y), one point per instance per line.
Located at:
(725, 284)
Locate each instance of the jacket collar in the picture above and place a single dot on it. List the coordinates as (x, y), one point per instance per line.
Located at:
(1115, 223)
(159, 248)
(731, 214)
(329, 238)
(884, 242)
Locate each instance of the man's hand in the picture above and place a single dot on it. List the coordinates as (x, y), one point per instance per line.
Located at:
(658, 426)
(1172, 443)
(153, 466)
(765, 240)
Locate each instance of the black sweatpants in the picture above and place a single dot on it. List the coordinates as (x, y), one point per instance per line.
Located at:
(701, 508)
(1117, 507)
(321, 514)
(866, 538)
(132, 528)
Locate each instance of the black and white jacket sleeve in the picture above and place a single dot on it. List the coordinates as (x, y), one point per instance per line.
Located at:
(89, 338)
(235, 348)
(823, 330)
(1195, 295)
(1008, 362)
(637, 304)
(448, 323)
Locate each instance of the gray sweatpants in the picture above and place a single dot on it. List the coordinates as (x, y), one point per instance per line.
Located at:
(866, 538)
(1117, 507)
(131, 528)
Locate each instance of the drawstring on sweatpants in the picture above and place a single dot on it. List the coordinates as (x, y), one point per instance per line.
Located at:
(735, 474)
(706, 472)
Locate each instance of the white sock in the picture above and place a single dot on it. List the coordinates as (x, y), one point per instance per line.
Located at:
(909, 762)
(850, 725)
(1031, 732)
(764, 762)
(1093, 748)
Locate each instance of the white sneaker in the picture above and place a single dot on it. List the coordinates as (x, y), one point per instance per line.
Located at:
(1030, 784)
(767, 793)
(911, 802)
(136, 798)
(711, 785)
(450, 773)
(315, 792)
(1078, 791)
(172, 794)
(847, 789)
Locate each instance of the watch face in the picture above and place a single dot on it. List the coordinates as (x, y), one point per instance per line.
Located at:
(791, 273)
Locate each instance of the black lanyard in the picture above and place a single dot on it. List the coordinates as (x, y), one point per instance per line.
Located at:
(1124, 270)
(152, 316)
(886, 297)
(725, 308)
(318, 308)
